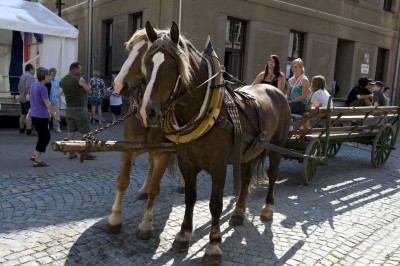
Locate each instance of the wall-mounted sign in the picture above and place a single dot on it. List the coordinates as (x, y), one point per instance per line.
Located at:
(364, 69)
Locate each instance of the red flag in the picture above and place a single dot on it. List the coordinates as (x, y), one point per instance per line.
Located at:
(27, 45)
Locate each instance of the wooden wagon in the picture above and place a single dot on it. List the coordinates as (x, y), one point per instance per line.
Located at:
(331, 127)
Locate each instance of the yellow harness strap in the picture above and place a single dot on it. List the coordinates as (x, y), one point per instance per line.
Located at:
(213, 111)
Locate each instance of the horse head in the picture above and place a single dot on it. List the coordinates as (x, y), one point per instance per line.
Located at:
(166, 66)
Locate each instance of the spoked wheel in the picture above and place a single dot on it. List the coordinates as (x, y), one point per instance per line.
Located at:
(333, 149)
(310, 164)
(383, 145)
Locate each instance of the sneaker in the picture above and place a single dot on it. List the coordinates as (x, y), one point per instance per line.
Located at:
(58, 131)
(72, 155)
(22, 131)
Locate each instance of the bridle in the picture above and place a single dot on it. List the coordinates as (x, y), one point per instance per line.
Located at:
(172, 100)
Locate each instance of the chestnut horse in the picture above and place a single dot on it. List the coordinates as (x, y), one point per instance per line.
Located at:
(129, 82)
(178, 79)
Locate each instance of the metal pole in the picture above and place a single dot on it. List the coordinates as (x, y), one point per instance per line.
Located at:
(59, 7)
(180, 14)
(396, 75)
(90, 29)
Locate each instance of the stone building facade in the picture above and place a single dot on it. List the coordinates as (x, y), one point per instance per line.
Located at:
(340, 39)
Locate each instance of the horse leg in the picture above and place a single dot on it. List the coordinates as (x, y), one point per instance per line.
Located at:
(268, 209)
(114, 220)
(159, 162)
(182, 239)
(239, 213)
(181, 185)
(213, 252)
(142, 193)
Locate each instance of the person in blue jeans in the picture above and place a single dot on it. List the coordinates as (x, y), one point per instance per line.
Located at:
(40, 113)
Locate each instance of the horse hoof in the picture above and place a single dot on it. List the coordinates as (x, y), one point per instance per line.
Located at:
(181, 190)
(113, 228)
(141, 196)
(180, 246)
(236, 220)
(266, 218)
(210, 260)
(144, 235)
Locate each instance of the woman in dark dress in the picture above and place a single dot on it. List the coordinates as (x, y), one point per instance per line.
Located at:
(272, 74)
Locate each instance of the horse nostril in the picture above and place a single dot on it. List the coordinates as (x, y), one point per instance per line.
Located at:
(151, 115)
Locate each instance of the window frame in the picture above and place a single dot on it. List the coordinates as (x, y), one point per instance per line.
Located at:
(231, 51)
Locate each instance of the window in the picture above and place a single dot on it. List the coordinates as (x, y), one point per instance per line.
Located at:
(296, 44)
(388, 5)
(235, 46)
(135, 22)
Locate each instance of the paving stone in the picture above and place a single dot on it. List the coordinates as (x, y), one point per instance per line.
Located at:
(348, 216)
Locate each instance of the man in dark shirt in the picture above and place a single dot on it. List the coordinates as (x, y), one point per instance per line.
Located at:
(76, 91)
(360, 95)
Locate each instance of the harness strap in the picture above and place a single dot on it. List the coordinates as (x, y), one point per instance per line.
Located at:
(250, 100)
(232, 110)
(246, 137)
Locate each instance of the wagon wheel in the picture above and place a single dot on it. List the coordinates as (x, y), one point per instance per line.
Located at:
(310, 165)
(382, 146)
(333, 149)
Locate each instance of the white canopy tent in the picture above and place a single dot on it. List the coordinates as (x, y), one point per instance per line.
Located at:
(60, 39)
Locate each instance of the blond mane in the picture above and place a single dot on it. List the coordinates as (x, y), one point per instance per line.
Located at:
(139, 35)
(178, 52)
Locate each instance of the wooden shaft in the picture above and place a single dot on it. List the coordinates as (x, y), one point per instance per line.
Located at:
(98, 146)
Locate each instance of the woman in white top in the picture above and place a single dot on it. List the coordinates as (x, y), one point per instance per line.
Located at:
(320, 96)
(299, 88)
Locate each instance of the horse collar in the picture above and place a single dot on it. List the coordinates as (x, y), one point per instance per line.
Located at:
(208, 113)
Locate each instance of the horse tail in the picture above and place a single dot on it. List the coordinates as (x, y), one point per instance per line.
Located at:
(258, 170)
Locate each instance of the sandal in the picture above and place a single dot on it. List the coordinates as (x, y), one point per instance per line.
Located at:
(33, 158)
(40, 164)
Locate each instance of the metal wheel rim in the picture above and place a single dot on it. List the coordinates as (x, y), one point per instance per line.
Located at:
(311, 165)
(382, 146)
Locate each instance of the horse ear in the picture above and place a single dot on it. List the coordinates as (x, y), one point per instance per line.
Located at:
(174, 32)
(151, 33)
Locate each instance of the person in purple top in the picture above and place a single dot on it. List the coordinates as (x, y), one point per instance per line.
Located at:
(40, 112)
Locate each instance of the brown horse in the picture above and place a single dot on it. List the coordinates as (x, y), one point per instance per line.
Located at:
(178, 80)
(129, 82)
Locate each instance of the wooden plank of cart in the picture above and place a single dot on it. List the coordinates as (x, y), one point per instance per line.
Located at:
(331, 127)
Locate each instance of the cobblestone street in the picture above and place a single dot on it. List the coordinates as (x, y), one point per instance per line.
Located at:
(57, 215)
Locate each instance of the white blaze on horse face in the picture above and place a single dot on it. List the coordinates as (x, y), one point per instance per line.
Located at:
(158, 59)
(119, 80)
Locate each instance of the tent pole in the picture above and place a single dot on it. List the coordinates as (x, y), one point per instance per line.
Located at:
(90, 29)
